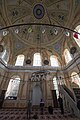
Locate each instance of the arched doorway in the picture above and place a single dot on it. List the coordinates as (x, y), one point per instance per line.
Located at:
(36, 95)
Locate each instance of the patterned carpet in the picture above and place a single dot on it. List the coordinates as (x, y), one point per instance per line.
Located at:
(21, 114)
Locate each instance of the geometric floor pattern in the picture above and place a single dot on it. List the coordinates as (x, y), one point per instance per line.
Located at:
(21, 114)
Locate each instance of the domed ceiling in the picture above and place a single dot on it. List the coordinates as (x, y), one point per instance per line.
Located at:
(24, 38)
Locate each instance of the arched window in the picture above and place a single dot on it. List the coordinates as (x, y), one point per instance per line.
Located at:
(54, 61)
(13, 88)
(20, 60)
(37, 59)
(5, 56)
(56, 86)
(67, 56)
(4, 53)
(75, 78)
(77, 36)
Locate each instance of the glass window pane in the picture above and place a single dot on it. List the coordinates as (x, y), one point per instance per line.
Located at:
(54, 61)
(56, 86)
(20, 60)
(13, 88)
(67, 56)
(37, 59)
(75, 78)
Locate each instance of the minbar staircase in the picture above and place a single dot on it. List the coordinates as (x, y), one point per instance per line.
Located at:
(21, 114)
(70, 103)
(77, 93)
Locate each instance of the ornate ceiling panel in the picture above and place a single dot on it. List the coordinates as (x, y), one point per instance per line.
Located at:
(19, 11)
(58, 12)
(18, 46)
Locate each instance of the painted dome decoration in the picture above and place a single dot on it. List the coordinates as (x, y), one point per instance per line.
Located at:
(38, 11)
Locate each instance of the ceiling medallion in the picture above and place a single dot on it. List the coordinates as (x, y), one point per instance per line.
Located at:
(28, 61)
(46, 62)
(38, 11)
(73, 50)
